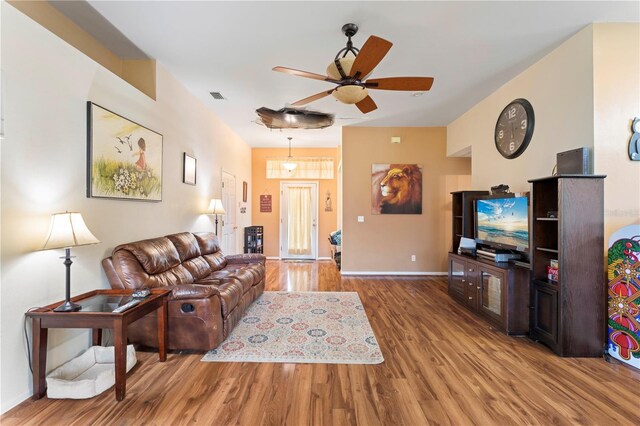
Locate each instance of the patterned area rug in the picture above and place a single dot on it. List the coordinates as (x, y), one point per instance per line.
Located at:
(302, 327)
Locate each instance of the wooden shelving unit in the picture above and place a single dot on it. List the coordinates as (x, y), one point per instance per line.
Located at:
(568, 315)
(462, 215)
(253, 239)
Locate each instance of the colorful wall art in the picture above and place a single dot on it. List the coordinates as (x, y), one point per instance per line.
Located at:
(624, 295)
(124, 159)
(396, 189)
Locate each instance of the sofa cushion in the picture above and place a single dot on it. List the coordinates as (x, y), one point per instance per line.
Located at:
(216, 261)
(242, 275)
(230, 290)
(257, 270)
(186, 245)
(198, 267)
(251, 273)
(245, 258)
(155, 255)
(129, 270)
(174, 276)
(192, 291)
(211, 251)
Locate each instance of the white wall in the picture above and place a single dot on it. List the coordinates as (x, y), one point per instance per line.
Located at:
(47, 84)
(560, 89)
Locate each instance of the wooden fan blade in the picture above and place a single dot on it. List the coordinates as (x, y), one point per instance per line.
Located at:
(366, 105)
(312, 98)
(302, 73)
(372, 52)
(415, 84)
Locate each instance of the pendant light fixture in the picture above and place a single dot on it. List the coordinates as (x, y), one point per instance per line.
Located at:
(290, 164)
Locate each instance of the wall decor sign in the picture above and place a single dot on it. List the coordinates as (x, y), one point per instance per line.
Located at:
(124, 159)
(265, 204)
(245, 191)
(396, 189)
(188, 169)
(634, 142)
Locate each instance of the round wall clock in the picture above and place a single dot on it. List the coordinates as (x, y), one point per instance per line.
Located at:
(514, 128)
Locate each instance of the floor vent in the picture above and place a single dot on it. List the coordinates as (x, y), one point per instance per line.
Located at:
(217, 95)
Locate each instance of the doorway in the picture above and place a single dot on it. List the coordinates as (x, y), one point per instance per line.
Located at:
(229, 226)
(298, 220)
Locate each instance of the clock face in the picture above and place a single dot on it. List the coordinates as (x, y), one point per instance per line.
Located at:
(514, 128)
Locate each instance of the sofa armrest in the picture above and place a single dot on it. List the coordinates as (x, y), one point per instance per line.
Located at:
(112, 275)
(246, 258)
(192, 291)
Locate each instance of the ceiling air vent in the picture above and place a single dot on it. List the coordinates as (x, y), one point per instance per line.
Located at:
(217, 95)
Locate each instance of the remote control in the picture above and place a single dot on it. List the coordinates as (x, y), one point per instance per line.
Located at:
(126, 306)
(143, 292)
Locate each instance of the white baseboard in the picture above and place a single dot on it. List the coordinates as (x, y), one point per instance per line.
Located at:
(8, 405)
(277, 258)
(393, 273)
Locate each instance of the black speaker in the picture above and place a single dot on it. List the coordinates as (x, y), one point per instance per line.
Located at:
(574, 162)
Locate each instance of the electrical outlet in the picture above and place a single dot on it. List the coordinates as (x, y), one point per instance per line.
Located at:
(413, 257)
(360, 218)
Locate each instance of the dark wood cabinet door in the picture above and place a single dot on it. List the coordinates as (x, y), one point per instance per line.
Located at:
(457, 278)
(544, 318)
(491, 283)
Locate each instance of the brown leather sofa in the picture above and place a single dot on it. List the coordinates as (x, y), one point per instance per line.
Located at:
(210, 291)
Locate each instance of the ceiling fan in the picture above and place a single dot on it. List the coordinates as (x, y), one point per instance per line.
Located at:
(350, 73)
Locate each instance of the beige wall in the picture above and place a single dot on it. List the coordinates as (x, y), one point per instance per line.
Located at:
(385, 243)
(560, 89)
(616, 72)
(585, 93)
(139, 73)
(46, 85)
(327, 221)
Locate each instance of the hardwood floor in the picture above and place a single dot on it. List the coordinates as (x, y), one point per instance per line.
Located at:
(442, 366)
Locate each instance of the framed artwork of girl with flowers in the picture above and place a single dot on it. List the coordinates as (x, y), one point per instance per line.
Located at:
(124, 159)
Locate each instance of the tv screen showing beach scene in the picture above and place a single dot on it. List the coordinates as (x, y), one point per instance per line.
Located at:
(503, 221)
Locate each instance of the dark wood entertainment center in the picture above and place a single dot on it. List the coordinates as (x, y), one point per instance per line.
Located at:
(497, 292)
(566, 217)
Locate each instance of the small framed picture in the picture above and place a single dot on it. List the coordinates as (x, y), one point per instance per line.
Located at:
(245, 189)
(188, 169)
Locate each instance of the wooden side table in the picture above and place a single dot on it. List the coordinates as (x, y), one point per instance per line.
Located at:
(96, 313)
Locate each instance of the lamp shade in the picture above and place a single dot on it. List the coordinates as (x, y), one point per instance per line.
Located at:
(289, 165)
(68, 230)
(215, 207)
(350, 93)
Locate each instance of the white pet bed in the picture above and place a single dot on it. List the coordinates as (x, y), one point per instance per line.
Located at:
(88, 375)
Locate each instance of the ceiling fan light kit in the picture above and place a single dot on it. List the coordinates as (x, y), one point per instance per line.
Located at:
(350, 94)
(350, 74)
(290, 164)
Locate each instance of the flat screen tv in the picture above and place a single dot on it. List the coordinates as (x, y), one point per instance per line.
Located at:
(503, 222)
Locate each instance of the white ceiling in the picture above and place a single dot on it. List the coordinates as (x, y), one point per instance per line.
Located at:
(470, 48)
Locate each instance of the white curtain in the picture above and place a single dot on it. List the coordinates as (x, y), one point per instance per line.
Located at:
(299, 219)
(308, 168)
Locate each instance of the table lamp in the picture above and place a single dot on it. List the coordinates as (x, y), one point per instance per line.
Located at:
(216, 208)
(68, 230)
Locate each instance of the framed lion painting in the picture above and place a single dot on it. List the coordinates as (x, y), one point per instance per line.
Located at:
(396, 189)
